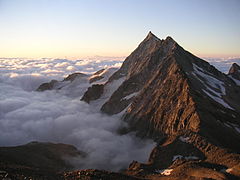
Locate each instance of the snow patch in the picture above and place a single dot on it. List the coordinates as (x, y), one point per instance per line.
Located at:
(165, 172)
(184, 139)
(212, 84)
(219, 100)
(191, 157)
(237, 82)
(109, 89)
(177, 157)
(76, 88)
(186, 157)
(233, 126)
(227, 125)
(211, 81)
(106, 74)
(130, 96)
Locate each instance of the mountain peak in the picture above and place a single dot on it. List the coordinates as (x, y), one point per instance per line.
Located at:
(235, 68)
(150, 33)
(170, 39)
(151, 36)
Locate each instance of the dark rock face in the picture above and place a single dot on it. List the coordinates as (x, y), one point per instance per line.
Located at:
(94, 92)
(40, 155)
(73, 76)
(47, 86)
(37, 160)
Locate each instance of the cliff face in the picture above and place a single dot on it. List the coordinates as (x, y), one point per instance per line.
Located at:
(188, 107)
(186, 93)
(137, 69)
(160, 110)
(167, 91)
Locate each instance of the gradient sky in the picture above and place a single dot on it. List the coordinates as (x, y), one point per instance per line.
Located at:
(78, 28)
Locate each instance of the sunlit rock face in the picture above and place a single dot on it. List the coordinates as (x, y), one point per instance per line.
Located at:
(94, 92)
(182, 102)
(234, 73)
(187, 97)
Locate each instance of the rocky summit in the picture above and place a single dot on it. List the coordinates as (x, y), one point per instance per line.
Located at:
(189, 108)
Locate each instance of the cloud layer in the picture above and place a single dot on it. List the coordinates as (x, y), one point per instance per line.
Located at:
(27, 115)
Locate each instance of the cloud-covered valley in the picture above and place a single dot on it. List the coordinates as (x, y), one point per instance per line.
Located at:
(27, 115)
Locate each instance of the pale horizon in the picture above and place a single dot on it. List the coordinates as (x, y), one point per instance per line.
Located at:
(75, 29)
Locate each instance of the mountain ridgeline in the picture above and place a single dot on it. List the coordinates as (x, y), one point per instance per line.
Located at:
(188, 107)
(182, 102)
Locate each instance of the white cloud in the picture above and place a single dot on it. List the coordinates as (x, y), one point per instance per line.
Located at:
(82, 63)
(55, 68)
(60, 65)
(27, 115)
(71, 68)
(49, 116)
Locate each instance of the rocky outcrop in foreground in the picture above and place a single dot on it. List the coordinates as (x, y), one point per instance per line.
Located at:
(37, 160)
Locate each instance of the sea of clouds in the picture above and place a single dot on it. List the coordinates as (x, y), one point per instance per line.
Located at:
(50, 116)
(27, 115)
